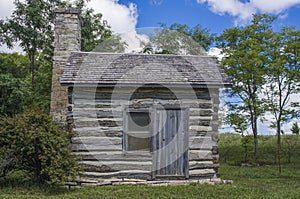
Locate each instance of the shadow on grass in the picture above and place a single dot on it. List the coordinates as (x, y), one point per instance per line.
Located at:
(20, 180)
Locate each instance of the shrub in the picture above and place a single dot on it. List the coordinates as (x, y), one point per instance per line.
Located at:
(39, 146)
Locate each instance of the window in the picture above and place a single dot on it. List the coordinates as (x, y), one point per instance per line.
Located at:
(137, 131)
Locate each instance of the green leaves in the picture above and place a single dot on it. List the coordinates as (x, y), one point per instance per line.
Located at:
(39, 146)
(180, 39)
(295, 128)
(264, 69)
(245, 62)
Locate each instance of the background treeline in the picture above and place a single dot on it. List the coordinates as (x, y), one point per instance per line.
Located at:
(237, 150)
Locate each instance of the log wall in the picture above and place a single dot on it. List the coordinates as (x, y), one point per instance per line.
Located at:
(96, 116)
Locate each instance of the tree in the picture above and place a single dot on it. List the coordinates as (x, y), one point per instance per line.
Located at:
(113, 44)
(238, 122)
(13, 88)
(295, 128)
(180, 39)
(283, 78)
(246, 57)
(31, 27)
(198, 34)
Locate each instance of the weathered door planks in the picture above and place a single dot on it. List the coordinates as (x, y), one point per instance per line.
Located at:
(171, 142)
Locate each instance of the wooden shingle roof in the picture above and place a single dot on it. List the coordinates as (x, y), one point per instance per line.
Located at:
(125, 69)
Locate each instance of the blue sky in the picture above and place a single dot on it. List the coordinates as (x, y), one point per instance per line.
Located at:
(191, 12)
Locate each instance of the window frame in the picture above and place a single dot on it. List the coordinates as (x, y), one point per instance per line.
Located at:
(126, 132)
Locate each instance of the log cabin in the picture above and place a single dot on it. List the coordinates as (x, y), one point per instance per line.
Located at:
(136, 116)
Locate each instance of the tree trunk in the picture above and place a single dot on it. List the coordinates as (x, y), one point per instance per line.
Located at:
(32, 69)
(255, 136)
(278, 145)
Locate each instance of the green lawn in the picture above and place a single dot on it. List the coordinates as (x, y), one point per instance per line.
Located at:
(249, 182)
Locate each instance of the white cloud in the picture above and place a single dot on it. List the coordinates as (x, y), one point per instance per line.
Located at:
(243, 11)
(134, 41)
(274, 6)
(122, 19)
(215, 52)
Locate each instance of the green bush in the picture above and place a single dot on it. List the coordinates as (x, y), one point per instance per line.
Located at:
(34, 143)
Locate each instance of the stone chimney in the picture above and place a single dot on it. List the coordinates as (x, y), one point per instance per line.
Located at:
(67, 34)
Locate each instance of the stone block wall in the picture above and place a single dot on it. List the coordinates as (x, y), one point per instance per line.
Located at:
(67, 39)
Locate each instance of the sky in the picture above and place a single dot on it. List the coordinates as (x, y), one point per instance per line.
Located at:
(131, 18)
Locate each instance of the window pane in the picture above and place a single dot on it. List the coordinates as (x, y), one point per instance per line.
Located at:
(138, 121)
(138, 143)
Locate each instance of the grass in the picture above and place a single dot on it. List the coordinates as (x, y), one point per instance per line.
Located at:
(249, 182)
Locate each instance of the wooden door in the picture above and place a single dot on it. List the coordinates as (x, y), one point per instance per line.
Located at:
(170, 143)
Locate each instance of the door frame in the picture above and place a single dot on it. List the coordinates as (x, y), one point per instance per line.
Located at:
(185, 116)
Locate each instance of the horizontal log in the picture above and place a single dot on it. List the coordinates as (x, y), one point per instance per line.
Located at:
(103, 141)
(198, 133)
(195, 129)
(111, 166)
(137, 174)
(200, 112)
(137, 95)
(202, 165)
(201, 172)
(200, 155)
(105, 133)
(91, 122)
(198, 105)
(93, 147)
(95, 113)
(200, 122)
(114, 156)
(201, 143)
(97, 129)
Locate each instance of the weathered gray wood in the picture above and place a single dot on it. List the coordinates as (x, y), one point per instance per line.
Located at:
(96, 113)
(200, 122)
(114, 156)
(94, 122)
(103, 141)
(202, 165)
(201, 105)
(170, 145)
(102, 133)
(93, 147)
(200, 155)
(198, 133)
(142, 95)
(137, 174)
(111, 166)
(201, 143)
(200, 172)
(201, 112)
(196, 129)
(100, 123)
